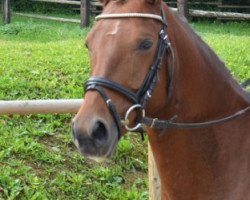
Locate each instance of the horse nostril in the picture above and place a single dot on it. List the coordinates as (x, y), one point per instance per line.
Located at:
(99, 133)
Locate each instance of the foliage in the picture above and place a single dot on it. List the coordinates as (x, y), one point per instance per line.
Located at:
(40, 60)
(42, 7)
(46, 7)
(21, 4)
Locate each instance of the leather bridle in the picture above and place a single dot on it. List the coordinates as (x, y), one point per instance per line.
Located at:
(141, 97)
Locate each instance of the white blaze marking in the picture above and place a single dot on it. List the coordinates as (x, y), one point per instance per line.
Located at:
(115, 29)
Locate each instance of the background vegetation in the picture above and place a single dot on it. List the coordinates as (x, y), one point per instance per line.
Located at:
(45, 7)
(41, 60)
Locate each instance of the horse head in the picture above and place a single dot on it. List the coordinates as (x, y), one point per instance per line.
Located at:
(130, 52)
(122, 50)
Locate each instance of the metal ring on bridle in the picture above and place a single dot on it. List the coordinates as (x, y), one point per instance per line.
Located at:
(129, 111)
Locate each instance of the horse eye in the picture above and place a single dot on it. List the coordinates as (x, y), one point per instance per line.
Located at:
(145, 45)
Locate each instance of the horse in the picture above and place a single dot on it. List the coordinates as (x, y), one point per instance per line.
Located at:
(150, 69)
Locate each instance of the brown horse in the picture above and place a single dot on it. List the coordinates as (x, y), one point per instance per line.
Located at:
(186, 80)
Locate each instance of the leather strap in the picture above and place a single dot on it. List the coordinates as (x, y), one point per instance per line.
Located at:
(98, 81)
(110, 106)
(165, 124)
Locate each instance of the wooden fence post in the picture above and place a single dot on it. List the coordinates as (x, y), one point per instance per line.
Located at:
(182, 6)
(153, 176)
(85, 13)
(6, 11)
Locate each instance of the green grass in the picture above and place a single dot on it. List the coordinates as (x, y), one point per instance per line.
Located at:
(231, 41)
(41, 60)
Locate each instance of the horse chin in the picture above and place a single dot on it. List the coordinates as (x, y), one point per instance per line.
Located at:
(98, 159)
(99, 156)
(99, 153)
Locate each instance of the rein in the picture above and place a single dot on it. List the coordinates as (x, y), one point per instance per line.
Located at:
(141, 97)
(165, 124)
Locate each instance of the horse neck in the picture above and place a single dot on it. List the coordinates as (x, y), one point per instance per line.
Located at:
(202, 83)
(203, 90)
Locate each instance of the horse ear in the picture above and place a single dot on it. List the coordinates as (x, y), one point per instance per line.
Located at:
(104, 2)
(153, 1)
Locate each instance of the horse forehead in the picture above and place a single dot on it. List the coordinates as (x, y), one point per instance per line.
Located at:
(129, 28)
(114, 28)
(108, 30)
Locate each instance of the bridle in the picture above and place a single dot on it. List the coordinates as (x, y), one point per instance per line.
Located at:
(141, 97)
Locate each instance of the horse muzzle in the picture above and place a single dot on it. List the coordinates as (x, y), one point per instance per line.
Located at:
(98, 142)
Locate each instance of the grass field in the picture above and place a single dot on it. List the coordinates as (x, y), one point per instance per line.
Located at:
(41, 60)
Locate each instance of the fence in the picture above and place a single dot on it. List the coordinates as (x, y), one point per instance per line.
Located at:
(220, 9)
(95, 7)
(40, 106)
(6, 11)
(82, 4)
(70, 106)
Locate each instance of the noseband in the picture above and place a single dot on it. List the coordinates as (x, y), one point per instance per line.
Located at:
(141, 97)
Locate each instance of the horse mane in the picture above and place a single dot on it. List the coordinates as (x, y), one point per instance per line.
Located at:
(206, 64)
(203, 49)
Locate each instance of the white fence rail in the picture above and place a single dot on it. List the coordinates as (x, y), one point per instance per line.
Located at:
(40, 106)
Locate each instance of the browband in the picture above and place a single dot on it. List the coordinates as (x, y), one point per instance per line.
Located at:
(130, 15)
